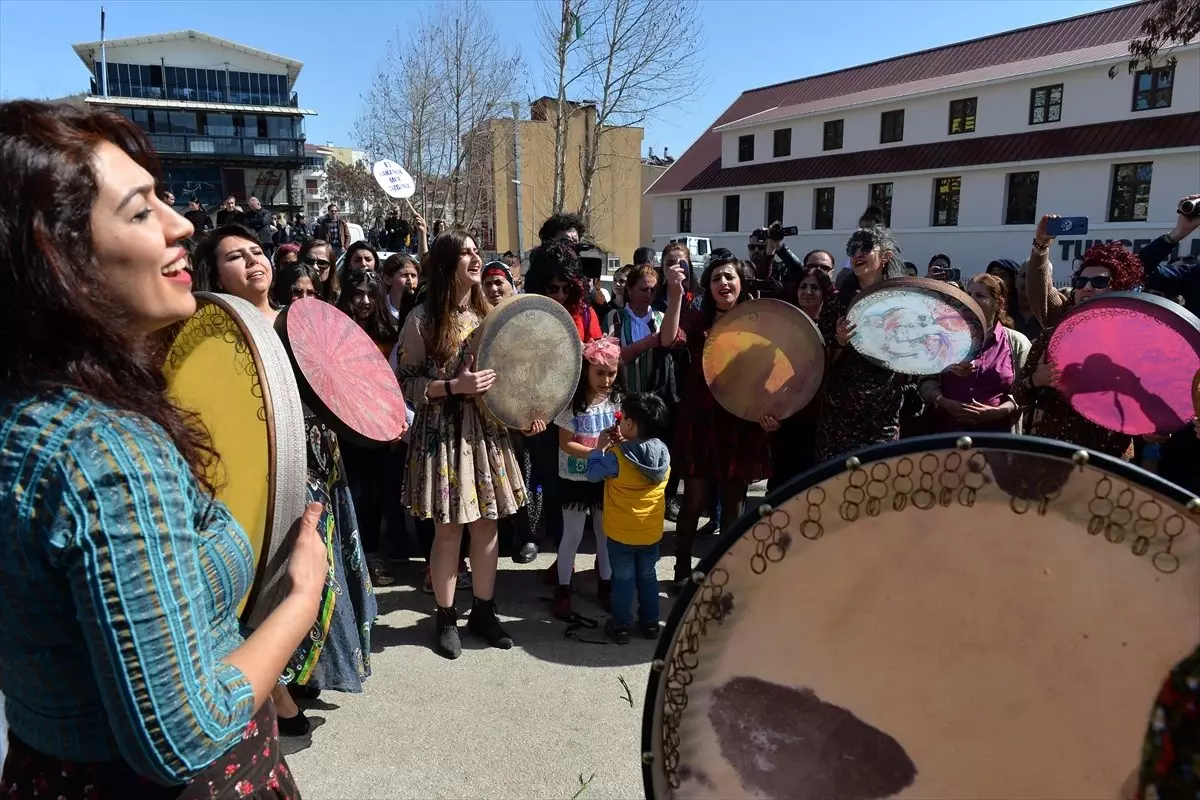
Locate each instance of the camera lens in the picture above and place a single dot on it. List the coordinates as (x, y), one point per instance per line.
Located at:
(1189, 208)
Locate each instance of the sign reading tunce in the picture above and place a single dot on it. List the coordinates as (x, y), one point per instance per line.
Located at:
(1075, 248)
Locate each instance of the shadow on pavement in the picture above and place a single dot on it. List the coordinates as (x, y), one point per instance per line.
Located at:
(289, 745)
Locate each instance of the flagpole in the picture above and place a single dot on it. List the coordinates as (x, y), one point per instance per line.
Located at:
(103, 58)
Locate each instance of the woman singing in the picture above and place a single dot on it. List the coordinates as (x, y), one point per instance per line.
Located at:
(123, 668)
(861, 402)
(461, 467)
(712, 448)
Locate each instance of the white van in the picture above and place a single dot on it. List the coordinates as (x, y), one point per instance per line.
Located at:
(699, 246)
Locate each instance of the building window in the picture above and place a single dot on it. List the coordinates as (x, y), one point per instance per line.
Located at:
(746, 147)
(1152, 88)
(310, 185)
(685, 215)
(183, 122)
(783, 143)
(1129, 200)
(823, 208)
(1021, 204)
(945, 201)
(832, 140)
(891, 126)
(733, 211)
(962, 115)
(1045, 104)
(880, 194)
(774, 207)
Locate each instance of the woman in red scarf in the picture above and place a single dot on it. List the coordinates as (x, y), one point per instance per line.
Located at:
(555, 272)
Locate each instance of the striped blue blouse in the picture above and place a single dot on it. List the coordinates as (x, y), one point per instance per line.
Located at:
(120, 582)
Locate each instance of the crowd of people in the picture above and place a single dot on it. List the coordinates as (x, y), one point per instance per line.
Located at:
(113, 538)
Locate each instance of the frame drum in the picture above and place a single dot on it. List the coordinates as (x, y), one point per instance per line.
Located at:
(764, 357)
(916, 326)
(341, 373)
(1125, 359)
(898, 625)
(532, 344)
(227, 365)
(1196, 393)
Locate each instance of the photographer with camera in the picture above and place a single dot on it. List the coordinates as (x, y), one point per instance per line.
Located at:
(1178, 278)
(774, 263)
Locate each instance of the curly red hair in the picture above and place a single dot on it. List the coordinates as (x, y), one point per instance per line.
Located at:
(1126, 268)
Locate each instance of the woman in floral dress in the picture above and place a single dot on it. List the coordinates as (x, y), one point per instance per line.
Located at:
(461, 465)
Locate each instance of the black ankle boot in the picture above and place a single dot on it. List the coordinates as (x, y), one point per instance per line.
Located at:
(483, 623)
(448, 643)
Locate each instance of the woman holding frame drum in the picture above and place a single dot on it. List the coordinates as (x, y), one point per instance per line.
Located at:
(123, 668)
(230, 261)
(461, 465)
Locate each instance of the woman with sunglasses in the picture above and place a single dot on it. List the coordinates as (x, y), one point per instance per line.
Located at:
(318, 253)
(793, 445)
(861, 402)
(1104, 268)
(712, 449)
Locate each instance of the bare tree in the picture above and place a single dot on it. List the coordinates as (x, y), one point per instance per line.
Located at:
(353, 184)
(1173, 23)
(436, 90)
(634, 73)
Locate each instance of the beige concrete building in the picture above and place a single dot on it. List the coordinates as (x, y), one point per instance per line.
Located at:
(615, 222)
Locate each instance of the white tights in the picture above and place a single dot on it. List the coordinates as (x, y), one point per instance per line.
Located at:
(573, 520)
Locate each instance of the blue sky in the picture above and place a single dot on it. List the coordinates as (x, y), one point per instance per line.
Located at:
(749, 43)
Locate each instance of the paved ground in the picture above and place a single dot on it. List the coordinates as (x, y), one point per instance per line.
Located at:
(526, 723)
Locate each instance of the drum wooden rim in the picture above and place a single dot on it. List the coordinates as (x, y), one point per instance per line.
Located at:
(1177, 503)
(287, 449)
(952, 295)
(790, 318)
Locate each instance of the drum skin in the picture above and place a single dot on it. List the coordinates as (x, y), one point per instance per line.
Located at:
(228, 366)
(898, 625)
(764, 358)
(1125, 361)
(916, 326)
(532, 344)
(342, 375)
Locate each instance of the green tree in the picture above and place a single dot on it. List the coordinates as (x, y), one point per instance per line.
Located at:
(1173, 23)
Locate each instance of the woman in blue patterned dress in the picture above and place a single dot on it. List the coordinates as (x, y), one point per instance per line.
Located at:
(124, 671)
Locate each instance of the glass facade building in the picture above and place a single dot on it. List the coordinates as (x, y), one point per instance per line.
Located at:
(189, 84)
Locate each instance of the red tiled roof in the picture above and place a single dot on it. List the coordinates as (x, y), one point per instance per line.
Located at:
(1150, 133)
(1101, 27)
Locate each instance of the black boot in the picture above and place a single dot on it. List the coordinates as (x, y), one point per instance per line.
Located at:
(483, 623)
(448, 643)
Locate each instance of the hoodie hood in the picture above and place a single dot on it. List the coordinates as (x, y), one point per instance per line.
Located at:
(1006, 264)
(650, 456)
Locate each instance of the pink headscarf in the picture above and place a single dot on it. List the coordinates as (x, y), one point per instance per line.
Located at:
(606, 351)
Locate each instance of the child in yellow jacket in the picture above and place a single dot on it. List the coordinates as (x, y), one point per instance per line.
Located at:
(634, 465)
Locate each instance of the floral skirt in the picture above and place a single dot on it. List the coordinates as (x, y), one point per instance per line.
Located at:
(461, 465)
(254, 768)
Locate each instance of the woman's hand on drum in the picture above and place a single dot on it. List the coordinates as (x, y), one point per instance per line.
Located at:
(535, 427)
(1046, 374)
(468, 382)
(308, 566)
(769, 423)
(845, 332)
(978, 412)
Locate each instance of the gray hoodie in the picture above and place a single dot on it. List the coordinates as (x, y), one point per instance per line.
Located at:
(650, 456)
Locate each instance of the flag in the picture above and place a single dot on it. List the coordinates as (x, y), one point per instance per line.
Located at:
(578, 26)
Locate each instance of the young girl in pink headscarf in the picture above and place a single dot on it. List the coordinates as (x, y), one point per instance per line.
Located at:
(585, 425)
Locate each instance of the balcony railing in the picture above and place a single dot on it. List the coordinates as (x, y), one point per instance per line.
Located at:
(226, 146)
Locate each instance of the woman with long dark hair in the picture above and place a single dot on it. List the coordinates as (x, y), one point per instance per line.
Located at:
(294, 282)
(227, 262)
(461, 466)
(861, 402)
(123, 667)
(364, 302)
(793, 446)
(713, 450)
